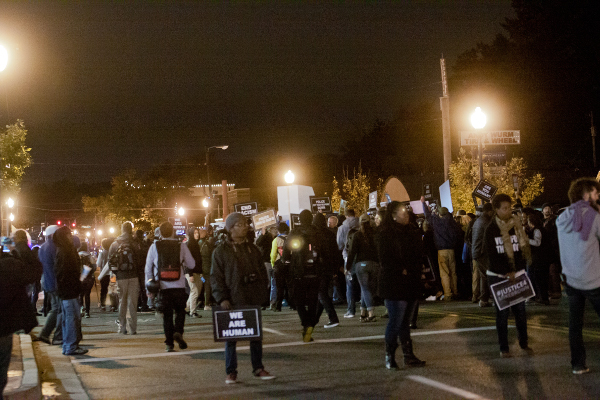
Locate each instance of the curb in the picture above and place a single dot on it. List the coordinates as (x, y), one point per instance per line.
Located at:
(30, 383)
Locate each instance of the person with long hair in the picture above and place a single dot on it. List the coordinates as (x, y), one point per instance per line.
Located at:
(68, 289)
(105, 280)
(400, 252)
(363, 256)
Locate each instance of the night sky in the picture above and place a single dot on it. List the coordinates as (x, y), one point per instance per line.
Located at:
(104, 86)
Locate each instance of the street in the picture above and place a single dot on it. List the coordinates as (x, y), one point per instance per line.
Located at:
(457, 339)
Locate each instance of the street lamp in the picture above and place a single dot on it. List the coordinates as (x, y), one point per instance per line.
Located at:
(289, 177)
(224, 147)
(112, 230)
(181, 211)
(99, 232)
(478, 120)
(10, 203)
(205, 203)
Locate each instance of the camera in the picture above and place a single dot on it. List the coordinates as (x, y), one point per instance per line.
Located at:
(250, 278)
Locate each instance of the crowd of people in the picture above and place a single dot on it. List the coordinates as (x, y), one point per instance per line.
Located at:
(390, 257)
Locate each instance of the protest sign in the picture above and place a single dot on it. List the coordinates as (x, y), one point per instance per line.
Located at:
(246, 209)
(238, 324)
(427, 191)
(294, 220)
(373, 200)
(179, 225)
(445, 196)
(507, 293)
(264, 219)
(320, 205)
(485, 190)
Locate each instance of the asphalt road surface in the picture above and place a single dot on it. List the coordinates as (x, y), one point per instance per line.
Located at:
(457, 339)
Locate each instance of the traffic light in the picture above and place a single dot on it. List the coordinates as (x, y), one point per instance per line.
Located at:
(73, 224)
(58, 222)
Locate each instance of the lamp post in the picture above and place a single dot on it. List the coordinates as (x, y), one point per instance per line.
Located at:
(3, 64)
(225, 147)
(10, 203)
(478, 120)
(289, 179)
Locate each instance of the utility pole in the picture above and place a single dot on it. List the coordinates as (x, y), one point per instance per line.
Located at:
(445, 107)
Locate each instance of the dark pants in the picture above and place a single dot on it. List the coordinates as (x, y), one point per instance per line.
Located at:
(84, 299)
(231, 356)
(143, 299)
(352, 287)
(284, 282)
(173, 300)
(54, 319)
(325, 301)
(306, 299)
(398, 326)
(502, 321)
(577, 299)
(104, 282)
(5, 351)
(539, 275)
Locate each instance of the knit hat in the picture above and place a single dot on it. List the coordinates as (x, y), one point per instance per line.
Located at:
(50, 230)
(233, 219)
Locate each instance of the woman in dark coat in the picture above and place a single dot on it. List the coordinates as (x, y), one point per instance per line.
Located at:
(400, 252)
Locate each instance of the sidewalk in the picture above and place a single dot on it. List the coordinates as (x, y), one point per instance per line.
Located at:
(23, 375)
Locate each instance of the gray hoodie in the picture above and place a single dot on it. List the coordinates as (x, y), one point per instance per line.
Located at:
(342, 234)
(580, 259)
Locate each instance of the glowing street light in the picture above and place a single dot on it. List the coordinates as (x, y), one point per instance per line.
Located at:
(10, 202)
(100, 232)
(112, 230)
(181, 211)
(478, 120)
(87, 234)
(11, 217)
(289, 177)
(3, 58)
(205, 203)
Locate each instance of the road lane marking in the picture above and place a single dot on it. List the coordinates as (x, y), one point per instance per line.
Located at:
(439, 385)
(274, 331)
(271, 345)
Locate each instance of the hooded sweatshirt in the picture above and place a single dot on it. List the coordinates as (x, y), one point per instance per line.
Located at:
(343, 231)
(46, 256)
(580, 255)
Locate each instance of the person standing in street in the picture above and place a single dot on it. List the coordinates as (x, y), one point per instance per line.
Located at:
(207, 247)
(167, 263)
(53, 322)
(67, 267)
(579, 240)
(238, 279)
(481, 290)
(123, 259)
(193, 277)
(507, 247)
(400, 253)
(16, 312)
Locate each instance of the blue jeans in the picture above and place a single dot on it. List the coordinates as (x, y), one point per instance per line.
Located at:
(231, 356)
(350, 298)
(399, 323)
(5, 351)
(577, 299)
(71, 323)
(54, 319)
(502, 321)
(366, 272)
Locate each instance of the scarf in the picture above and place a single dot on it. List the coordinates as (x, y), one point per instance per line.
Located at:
(505, 227)
(583, 218)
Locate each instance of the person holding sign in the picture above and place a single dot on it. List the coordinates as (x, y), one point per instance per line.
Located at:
(579, 240)
(507, 247)
(238, 279)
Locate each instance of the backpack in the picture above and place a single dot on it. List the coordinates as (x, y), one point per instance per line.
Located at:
(123, 259)
(303, 254)
(169, 260)
(88, 282)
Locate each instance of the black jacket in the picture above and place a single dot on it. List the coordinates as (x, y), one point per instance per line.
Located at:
(400, 251)
(16, 311)
(498, 260)
(238, 274)
(264, 243)
(331, 257)
(66, 267)
(361, 249)
(477, 236)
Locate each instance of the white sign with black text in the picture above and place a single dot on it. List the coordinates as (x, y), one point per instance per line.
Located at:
(507, 293)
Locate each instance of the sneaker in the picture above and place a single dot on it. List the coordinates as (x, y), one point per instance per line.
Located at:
(170, 348)
(42, 339)
(193, 315)
(207, 308)
(103, 308)
(505, 354)
(179, 339)
(77, 352)
(527, 350)
(87, 315)
(348, 315)
(484, 303)
(581, 370)
(331, 324)
(264, 375)
(231, 378)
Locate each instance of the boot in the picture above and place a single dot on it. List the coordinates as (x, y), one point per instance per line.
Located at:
(410, 360)
(390, 358)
